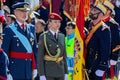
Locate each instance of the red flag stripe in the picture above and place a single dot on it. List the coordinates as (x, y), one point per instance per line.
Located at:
(80, 19)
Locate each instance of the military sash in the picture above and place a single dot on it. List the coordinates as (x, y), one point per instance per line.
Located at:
(92, 31)
(22, 38)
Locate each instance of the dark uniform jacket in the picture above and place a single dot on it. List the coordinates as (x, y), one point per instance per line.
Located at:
(19, 68)
(52, 68)
(3, 65)
(98, 49)
(115, 37)
(117, 14)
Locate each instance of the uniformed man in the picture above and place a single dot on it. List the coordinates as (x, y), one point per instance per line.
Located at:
(52, 63)
(115, 38)
(97, 44)
(69, 42)
(19, 43)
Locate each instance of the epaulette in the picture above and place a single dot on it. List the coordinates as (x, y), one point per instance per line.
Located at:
(87, 19)
(35, 8)
(43, 7)
(104, 26)
(113, 21)
(86, 29)
(31, 25)
(44, 33)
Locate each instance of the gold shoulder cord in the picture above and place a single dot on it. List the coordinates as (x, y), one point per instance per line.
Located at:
(58, 49)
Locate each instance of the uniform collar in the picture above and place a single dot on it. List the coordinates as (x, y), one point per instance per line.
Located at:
(19, 23)
(54, 32)
(106, 19)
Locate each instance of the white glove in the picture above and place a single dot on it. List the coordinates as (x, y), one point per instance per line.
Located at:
(9, 77)
(34, 73)
(113, 62)
(42, 77)
(99, 73)
(66, 77)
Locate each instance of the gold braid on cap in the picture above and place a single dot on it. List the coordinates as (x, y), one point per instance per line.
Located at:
(101, 7)
(109, 4)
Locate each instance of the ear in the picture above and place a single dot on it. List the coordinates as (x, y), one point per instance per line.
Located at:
(101, 15)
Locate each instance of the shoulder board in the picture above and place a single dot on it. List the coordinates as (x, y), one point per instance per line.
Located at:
(104, 26)
(85, 29)
(43, 7)
(35, 8)
(61, 34)
(113, 21)
(29, 25)
(45, 32)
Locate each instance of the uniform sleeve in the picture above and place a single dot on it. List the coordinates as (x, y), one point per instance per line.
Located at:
(3, 72)
(41, 50)
(115, 41)
(105, 48)
(6, 39)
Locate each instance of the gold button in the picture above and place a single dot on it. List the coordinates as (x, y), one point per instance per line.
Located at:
(57, 45)
(50, 45)
(12, 62)
(104, 63)
(17, 44)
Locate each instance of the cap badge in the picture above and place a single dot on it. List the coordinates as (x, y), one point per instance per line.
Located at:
(52, 16)
(25, 6)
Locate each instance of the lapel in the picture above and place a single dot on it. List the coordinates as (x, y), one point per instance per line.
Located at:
(51, 37)
(59, 38)
(19, 28)
(26, 32)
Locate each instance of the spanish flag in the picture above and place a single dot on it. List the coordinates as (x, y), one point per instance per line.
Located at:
(79, 71)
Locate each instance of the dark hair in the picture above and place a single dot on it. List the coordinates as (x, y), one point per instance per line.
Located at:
(72, 24)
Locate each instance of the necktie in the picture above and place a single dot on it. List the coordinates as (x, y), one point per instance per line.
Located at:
(23, 26)
(55, 35)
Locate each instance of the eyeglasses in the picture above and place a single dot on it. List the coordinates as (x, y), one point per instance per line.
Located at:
(68, 28)
(97, 13)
